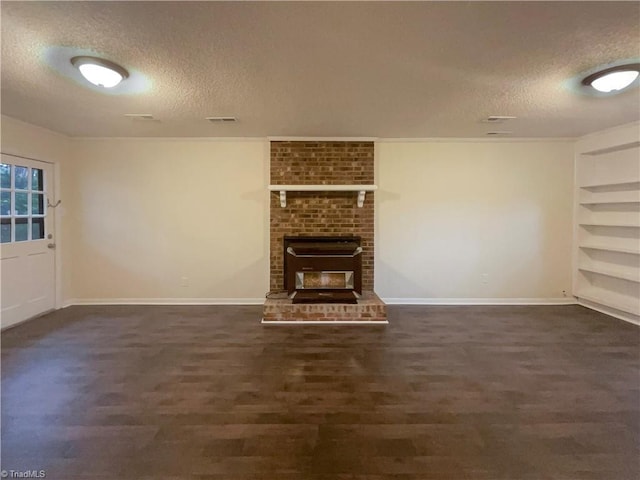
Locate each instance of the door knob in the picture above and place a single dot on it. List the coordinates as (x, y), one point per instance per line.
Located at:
(52, 246)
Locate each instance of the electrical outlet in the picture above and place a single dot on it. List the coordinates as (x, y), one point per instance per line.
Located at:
(184, 281)
(564, 293)
(484, 278)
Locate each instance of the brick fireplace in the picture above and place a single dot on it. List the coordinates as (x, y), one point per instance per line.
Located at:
(322, 214)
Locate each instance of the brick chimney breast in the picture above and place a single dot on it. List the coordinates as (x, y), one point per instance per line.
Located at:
(321, 213)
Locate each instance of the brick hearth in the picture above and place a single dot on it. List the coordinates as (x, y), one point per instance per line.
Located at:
(368, 309)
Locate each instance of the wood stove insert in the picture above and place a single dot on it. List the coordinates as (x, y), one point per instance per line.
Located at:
(323, 269)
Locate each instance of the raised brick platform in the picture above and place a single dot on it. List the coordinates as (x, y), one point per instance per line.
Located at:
(368, 309)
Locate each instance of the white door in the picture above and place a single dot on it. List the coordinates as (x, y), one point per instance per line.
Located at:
(27, 260)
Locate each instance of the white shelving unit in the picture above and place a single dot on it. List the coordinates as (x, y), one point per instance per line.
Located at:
(612, 185)
(601, 296)
(611, 248)
(607, 223)
(610, 224)
(611, 272)
(361, 189)
(612, 202)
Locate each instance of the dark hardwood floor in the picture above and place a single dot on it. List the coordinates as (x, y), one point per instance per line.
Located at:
(208, 393)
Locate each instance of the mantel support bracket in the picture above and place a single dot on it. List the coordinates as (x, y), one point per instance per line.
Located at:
(361, 195)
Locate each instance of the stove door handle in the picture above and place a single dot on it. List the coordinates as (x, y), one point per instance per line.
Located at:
(357, 251)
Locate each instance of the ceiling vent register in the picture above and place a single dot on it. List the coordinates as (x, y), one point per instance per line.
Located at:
(222, 119)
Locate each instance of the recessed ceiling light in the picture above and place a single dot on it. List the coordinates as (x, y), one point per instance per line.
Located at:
(100, 72)
(614, 78)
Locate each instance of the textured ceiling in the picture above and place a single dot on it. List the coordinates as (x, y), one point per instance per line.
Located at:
(379, 69)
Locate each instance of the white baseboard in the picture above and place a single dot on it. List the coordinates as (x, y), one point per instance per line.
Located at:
(480, 301)
(163, 301)
(389, 301)
(260, 301)
(627, 317)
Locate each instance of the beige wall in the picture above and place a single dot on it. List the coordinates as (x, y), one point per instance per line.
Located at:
(26, 140)
(449, 212)
(168, 219)
(157, 220)
(138, 215)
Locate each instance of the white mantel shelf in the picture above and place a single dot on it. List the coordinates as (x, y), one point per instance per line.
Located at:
(361, 189)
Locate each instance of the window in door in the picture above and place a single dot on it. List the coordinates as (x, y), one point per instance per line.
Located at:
(22, 203)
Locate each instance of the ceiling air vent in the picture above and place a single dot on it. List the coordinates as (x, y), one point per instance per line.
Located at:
(222, 119)
(498, 133)
(498, 119)
(141, 117)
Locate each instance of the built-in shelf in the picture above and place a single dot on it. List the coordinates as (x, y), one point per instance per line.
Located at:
(606, 248)
(607, 223)
(602, 224)
(631, 185)
(361, 189)
(611, 273)
(613, 202)
(619, 302)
